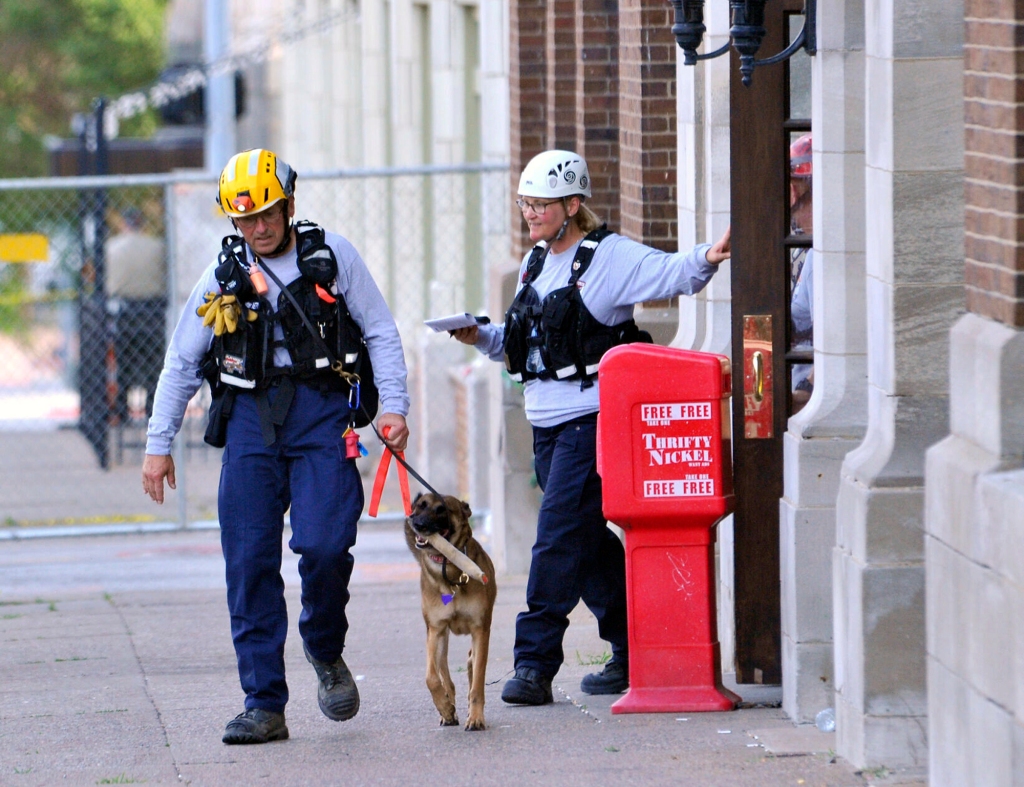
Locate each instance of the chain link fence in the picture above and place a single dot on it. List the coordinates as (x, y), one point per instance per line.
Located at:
(93, 275)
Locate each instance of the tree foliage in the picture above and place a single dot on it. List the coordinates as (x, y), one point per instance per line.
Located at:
(57, 56)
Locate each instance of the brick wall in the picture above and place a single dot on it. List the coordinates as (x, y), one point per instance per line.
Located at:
(994, 159)
(598, 77)
(527, 77)
(560, 57)
(597, 102)
(647, 122)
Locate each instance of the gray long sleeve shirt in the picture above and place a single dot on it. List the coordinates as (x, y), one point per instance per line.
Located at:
(621, 274)
(190, 341)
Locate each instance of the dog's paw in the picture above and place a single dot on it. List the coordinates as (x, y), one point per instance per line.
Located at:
(452, 722)
(474, 725)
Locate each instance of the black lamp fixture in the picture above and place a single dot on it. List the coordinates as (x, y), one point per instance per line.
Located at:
(746, 33)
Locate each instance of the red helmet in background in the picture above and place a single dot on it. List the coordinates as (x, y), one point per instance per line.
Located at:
(800, 157)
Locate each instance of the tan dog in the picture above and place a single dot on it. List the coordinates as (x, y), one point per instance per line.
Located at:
(452, 603)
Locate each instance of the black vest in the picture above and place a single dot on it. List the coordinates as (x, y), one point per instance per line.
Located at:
(244, 359)
(558, 338)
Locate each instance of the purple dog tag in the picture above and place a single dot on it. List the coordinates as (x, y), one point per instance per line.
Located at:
(446, 598)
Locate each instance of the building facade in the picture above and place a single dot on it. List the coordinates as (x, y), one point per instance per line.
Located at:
(900, 518)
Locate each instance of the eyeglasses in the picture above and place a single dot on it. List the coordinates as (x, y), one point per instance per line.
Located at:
(536, 207)
(249, 222)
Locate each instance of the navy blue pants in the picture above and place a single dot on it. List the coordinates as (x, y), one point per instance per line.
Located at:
(576, 555)
(306, 469)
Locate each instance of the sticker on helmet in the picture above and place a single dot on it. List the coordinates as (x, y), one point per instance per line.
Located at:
(584, 181)
(569, 176)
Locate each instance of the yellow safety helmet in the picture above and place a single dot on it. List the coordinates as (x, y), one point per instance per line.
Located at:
(252, 181)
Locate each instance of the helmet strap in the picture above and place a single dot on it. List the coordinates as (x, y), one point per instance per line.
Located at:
(565, 225)
(284, 241)
(568, 218)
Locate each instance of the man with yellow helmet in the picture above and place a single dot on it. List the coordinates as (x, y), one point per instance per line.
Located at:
(285, 325)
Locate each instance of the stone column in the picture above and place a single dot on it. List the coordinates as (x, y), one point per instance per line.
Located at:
(527, 101)
(702, 183)
(835, 419)
(703, 189)
(494, 114)
(494, 88)
(408, 53)
(647, 123)
(914, 203)
(515, 499)
(375, 134)
(447, 108)
(974, 485)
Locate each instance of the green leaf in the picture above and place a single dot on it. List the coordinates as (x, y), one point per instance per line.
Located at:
(57, 56)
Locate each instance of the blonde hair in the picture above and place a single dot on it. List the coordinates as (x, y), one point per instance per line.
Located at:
(585, 218)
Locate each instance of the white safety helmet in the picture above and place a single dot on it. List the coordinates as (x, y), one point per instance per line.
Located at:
(555, 174)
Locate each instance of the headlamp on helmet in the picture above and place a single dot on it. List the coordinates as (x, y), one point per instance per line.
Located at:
(252, 181)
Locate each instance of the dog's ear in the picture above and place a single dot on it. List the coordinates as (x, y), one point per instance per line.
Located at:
(466, 510)
(417, 498)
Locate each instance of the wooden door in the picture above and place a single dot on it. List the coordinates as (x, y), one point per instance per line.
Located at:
(766, 255)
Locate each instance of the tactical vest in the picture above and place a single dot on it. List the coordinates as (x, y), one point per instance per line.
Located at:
(244, 359)
(558, 338)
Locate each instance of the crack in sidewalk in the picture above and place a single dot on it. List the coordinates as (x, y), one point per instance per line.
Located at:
(145, 685)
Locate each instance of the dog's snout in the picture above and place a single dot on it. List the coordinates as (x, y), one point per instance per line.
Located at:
(430, 514)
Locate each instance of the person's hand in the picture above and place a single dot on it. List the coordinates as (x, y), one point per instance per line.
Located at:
(154, 469)
(466, 335)
(399, 434)
(722, 250)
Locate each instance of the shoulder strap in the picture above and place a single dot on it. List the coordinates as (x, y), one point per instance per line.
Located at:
(314, 257)
(584, 255)
(536, 263)
(317, 339)
(232, 271)
(585, 252)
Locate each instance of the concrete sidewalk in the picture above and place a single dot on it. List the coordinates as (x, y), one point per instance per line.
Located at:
(116, 667)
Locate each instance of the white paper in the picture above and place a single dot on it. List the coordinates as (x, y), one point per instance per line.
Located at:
(451, 323)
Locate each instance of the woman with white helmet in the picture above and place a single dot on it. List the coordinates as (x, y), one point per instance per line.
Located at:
(575, 300)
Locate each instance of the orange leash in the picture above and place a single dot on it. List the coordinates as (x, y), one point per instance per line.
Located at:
(382, 474)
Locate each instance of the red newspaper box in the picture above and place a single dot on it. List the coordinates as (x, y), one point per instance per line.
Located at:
(664, 456)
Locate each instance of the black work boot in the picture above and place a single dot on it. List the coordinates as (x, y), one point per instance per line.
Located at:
(337, 694)
(527, 687)
(613, 679)
(255, 726)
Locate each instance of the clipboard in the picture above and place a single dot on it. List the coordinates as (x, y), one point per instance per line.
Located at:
(455, 321)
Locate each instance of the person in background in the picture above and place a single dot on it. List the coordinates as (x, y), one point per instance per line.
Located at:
(575, 301)
(801, 307)
(282, 388)
(135, 284)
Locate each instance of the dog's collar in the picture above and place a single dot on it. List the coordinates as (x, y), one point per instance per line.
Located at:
(463, 576)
